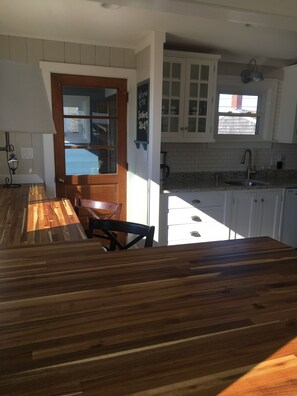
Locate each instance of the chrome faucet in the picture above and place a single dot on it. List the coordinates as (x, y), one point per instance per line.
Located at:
(249, 168)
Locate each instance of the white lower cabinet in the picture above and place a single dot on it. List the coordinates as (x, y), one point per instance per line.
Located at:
(193, 217)
(256, 213)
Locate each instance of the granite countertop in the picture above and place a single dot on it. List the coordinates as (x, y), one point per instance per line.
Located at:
(210, 181)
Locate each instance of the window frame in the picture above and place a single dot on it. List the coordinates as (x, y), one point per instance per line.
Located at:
(266, 91)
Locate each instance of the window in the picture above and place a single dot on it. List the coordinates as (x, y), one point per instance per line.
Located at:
(238, 114)
(245, 112)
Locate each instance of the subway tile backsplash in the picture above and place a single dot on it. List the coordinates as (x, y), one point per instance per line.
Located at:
(189, 157)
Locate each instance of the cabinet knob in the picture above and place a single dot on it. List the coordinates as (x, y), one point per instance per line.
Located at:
(186, 128)
(262, 199)
(255, 200)
(182, 128)
(196, 218)
(196, 201)
(195, 234)
(61, 180)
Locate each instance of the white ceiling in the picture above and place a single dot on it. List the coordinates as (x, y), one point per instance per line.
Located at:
(236, 29)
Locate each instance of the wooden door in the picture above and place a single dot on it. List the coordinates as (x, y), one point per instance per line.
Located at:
(90, 115)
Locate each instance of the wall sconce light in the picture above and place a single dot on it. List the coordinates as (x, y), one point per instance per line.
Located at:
(24, 107)
(251, 74)
(12, 162)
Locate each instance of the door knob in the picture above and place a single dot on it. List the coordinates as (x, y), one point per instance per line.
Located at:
(61, 180)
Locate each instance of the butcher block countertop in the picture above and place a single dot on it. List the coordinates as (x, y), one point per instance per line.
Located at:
(27, 216)
(215, 318)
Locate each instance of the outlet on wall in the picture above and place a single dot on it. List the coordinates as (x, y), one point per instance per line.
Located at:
(27, 153)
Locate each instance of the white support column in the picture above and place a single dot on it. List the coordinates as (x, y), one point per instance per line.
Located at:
(155, 41)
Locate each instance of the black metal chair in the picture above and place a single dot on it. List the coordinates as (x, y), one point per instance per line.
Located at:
(112, 228)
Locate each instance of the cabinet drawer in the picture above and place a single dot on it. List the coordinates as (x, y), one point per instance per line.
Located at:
(195, 216)
(198, 199)
(198, 232)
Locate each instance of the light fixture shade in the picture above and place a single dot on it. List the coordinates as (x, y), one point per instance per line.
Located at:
(24, 105)
(251, 74)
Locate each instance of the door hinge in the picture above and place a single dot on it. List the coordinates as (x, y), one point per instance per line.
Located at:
(127, 166)
(127, 96)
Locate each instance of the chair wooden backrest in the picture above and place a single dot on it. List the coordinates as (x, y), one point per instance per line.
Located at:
(97, 209)
(111, 228)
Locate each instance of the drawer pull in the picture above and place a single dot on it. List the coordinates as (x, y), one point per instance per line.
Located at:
(196, 218)
(196, 201)
(195, 234)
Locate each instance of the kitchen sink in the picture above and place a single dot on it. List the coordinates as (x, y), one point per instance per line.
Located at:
(246, 182)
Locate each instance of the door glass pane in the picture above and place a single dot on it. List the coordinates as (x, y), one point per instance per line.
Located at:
(90, 161)
(77, 131)
(98, 132)
(90, 101)
(104, 132)
(76, 105)
(90, 120)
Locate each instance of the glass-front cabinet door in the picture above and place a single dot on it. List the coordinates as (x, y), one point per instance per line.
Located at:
(188, 98)
(198, 94)
(173, 94)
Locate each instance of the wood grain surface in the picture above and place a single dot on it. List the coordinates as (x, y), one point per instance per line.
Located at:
(214, 318)
(28, 217)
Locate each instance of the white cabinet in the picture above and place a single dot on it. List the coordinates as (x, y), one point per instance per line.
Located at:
(189, 85)
(287, 125)
(193, 217)
(256, 213)
(218, 215)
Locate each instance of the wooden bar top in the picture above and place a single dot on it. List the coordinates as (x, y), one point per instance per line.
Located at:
(214, 318)
(28, 217)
